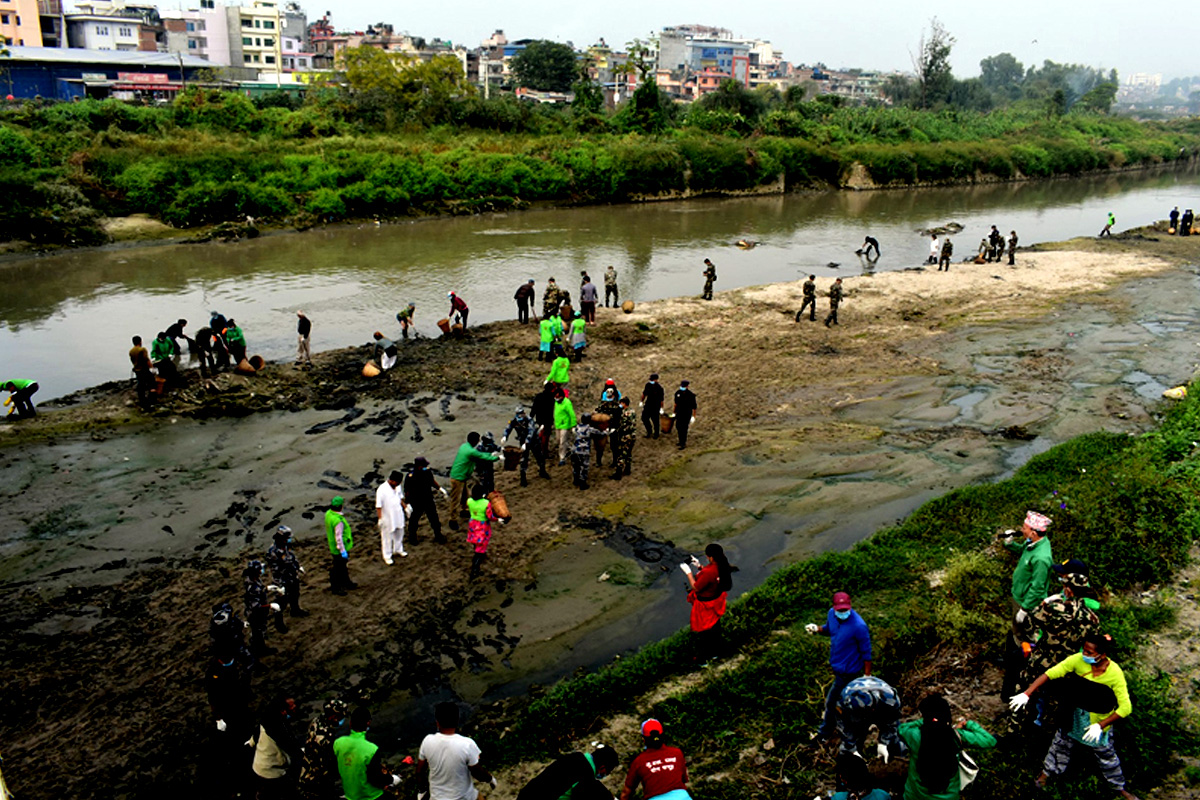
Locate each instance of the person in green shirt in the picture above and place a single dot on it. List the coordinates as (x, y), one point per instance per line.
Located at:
(547, 334)
(463, 469)
(1096, 691)
(20, 392)
(405, 317)
(479, 528)
(364, 775)
(933, 746)
(564, 423)
(560, 369)
(235, 340)
(341, 542)
(578, 335)
(1031, 582)
(162, 353)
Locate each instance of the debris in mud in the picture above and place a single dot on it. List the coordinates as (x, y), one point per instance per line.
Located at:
(1019, 432)
(349, 416)
(631, 542)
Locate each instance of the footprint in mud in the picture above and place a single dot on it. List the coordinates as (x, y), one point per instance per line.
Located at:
(416, 435)
(345, 419)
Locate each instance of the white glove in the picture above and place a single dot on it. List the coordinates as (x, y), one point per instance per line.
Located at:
(811, 628)
(1008, 535)
(686, 568)
(1022, 615)
(493, 782)
(1093, 733)
(275, 607)
(642, 404)
(407, 510)
(503, 439)
(422, 795)
(249, 742)
(522, 448)
(696, 562)
(882, 751)
(442, 489)
(273, 588)
(221, 726)
(395, 780)
(301, 570)
(1018, 701)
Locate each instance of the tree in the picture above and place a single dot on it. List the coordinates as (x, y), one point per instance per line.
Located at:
(1002, 74)
(793, 96)
(407, 80)
(932, 64)
(1099, 99)
(901, 90)
(545, 66)
(734, 97)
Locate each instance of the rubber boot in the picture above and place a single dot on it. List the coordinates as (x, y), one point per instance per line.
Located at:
(524, 480)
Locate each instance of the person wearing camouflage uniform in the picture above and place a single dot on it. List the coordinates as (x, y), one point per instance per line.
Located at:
(286, 569)
(623, 437)
(868, 701)
(318, 769)
(710, 275)
(610, 287)
(810, 299)
(527, 437)
(550, 299)
(258, 607)
(581, 453)
(947, 251)
(835, 300)
(1057, 627)
(610, 404)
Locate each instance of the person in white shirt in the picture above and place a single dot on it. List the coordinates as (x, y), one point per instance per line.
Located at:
(389, 506)
(448, 762)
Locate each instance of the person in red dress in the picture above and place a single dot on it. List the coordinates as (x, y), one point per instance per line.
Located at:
(707, 591)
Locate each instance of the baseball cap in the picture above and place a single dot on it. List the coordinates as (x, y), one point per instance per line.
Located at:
(841, 601)
(651, 726)
(337, 502)
(1072, 566)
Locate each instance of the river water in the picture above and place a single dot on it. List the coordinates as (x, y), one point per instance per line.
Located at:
(66, 319)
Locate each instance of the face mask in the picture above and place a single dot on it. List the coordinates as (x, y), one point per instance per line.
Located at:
(842, 615)
(1090, 659)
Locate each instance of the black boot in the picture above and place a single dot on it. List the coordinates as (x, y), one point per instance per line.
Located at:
(542, 473)
(628, 468)
(524, 480)
(616, 476)
(280, 625)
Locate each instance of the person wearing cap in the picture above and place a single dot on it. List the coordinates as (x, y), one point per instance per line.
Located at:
(303, 339)
(588, 296)
(390, 511)
(318, 765)
(227, 684)
(405, 317)
(1095, 688)
(581, 453)
(235, 340)
(447, 760)
(419, 485)
(359, 764)
(524, 296)
(458, 306)
(286, 569)
(849, 654)
(550, 299)
(660, 769)
(865, 702)
(653, 398)
(258, 607)
(464, 467)
(564, 422)
(579, 334)
(835, 300)
(485, 471)
(525, 435)
(1060, 623)
(610, 287)
(610, 404)
(1030, 586)
(623, 436)
(810, 299)
(685, 411)
(710, 275)
(576, 775)
(341, 542)
(560, 368)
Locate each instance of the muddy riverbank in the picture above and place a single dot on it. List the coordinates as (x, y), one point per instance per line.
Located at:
(122, 529)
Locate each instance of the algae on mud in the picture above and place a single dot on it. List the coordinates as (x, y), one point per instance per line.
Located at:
(878, 393)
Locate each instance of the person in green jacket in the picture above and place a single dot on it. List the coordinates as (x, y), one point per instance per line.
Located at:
(162, 353)
(578, 335)
(564, 423)
(1030, 586)
(933, 745)
(547, 333)
(341, 542)
(19, 394)
(463, 469)
(364, 775)
(560, 370)
(235, 340)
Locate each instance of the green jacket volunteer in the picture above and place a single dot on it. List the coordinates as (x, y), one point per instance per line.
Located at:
(364, 776)
(341, 542)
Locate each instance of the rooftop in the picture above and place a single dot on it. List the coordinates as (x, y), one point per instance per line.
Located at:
(131, 58)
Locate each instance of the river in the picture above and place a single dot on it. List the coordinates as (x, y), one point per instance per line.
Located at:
(66, 319)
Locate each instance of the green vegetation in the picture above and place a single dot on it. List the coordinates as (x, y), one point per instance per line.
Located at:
(409, 137)
(934, 590)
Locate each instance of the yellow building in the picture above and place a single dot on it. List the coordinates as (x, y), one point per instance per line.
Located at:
(20, 23)
(258, 30)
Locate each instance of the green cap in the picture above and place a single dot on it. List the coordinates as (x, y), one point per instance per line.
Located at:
(337, 502)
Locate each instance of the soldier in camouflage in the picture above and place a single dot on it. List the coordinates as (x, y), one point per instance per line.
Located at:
(710, 275)
(1057, 627)
(526, 432)
(610, 404)
(551, 297)
(581, 453)
(258, 607)
(286, 569)
(810, 299)
(319, 770)
(623, 436)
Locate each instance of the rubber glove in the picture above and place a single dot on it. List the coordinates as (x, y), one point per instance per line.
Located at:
(522, 448)
(407, 510)
(1018, 701)
(1022, 615)
(301, 570)
(882, 751)
(221, 726)
(395, 780)
(696, 562)
(493, 782)
(686, 568)
(442, 489)
(503, 439)
(273, 588)
(1093, 733)
(275, 607)
(345, 555)
(811, 628)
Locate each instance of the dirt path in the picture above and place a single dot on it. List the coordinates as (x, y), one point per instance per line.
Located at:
(108, 609)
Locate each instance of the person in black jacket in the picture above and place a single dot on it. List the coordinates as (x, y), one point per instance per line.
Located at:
(419, 485)
(577, 773)
(542, 411)
(652, 405)
(685, 411)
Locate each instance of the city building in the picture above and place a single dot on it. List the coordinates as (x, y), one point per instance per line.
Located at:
(254, 36)
(68, 73)
(114, 25)
(202, 32)
(21, 23)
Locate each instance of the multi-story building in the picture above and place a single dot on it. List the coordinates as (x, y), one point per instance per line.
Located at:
(202, 32)
(51, 13)
(20, 23)
(115, 25)
(255, 33)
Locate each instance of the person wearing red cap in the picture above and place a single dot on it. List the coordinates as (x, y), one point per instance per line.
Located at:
(458, 306)
(1030, 586)
(849, 655)
(660, 769)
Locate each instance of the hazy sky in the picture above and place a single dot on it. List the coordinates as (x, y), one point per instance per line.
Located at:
(874, 34)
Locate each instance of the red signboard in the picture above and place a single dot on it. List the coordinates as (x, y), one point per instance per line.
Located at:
(142, 77)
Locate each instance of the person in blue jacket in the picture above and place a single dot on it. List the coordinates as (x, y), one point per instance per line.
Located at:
(849, 655)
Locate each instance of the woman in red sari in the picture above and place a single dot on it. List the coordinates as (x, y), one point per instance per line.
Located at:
(707, 590)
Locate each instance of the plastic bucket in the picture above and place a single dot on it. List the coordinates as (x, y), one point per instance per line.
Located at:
(244, 368)
(512, 457)
(444, 324)
(370, 370)
(667, 423)
(257, 362)
(627, 306)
